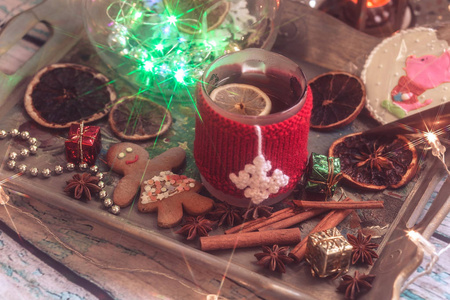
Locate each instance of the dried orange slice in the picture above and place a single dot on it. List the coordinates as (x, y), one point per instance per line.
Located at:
(243, 99)
(338, 98)
(376, 163)
(190, 13)
(63, 94)
(136, 118)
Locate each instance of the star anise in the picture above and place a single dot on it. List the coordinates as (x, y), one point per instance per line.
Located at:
(83, 186)
(257, 211)
(275, 258)
(196, 226)
(226, 214)
(362, 248)
(375, 158)
(352, 286)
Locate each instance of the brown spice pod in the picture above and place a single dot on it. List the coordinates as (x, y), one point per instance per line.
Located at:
(375, 163)
(338, 98)
(60, 95)
(135, 118)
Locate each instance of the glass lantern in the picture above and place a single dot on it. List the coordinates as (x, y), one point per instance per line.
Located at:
(163, 46)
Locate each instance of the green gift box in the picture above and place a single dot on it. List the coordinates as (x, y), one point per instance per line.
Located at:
(323, 174)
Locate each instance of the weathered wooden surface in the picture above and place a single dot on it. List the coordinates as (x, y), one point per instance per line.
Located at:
(123, 267)
(25, 276)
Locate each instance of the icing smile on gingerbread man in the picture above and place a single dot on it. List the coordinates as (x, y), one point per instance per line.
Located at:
(129, 162)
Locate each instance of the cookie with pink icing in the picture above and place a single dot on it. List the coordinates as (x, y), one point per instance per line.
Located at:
(422, 73)
(160, 190)
(407, 73)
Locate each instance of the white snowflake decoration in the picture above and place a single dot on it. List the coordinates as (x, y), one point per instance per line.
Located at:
(256, 184)
(242, 19)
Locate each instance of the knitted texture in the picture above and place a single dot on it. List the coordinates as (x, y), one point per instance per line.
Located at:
(223, 146)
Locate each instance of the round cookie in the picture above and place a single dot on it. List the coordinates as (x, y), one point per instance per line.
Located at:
(407, 73)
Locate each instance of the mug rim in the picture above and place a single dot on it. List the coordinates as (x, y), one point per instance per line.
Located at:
(256, 120)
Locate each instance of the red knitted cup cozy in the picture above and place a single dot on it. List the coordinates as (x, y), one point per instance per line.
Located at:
(223, 146)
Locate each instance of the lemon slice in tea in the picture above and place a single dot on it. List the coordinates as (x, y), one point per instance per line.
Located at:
(136, 118)
(243, 99)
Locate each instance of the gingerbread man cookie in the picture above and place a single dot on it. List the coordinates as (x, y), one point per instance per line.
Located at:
(161, 190)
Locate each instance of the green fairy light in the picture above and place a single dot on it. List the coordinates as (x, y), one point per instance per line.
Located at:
(148, 66)
(179, 75)
(150, 37)
(172, 20)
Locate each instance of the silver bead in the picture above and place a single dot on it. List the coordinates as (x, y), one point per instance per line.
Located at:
(100, 175)
(59, 170)
(107, 202)
(101, 184)
(83, 166)
(33, 149)
(34, 171)
(70, 166)
(24, 152)
(14, 132)
(46, 173)
(12, 155)
(115, 209)
(32, 141)
(3, 134)
(93, 169)
(22, 168)
(11, 164)
(102, 194)
(25, 135)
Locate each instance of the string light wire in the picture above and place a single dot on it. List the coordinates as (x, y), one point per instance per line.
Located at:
(428, 248)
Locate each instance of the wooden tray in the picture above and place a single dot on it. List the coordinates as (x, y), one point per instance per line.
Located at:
(398, 257)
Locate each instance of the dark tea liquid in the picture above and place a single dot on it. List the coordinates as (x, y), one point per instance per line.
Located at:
(283, 90)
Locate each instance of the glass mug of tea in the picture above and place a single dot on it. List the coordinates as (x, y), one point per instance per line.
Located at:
(244, 158)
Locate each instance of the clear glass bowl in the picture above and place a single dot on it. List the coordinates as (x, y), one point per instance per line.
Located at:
(163, 46)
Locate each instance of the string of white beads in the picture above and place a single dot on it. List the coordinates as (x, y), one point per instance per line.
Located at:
(57, 170)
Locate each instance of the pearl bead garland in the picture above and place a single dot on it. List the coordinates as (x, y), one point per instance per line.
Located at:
(57, 170)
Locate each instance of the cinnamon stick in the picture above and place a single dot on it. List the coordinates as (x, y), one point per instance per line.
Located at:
(250, 239)
(253, 225)
(298, 218)
(332, 219)
(244, 225)
(371, 204)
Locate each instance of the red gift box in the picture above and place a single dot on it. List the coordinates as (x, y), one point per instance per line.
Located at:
(83, 144)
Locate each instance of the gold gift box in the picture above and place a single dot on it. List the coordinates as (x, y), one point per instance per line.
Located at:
(328, 253)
